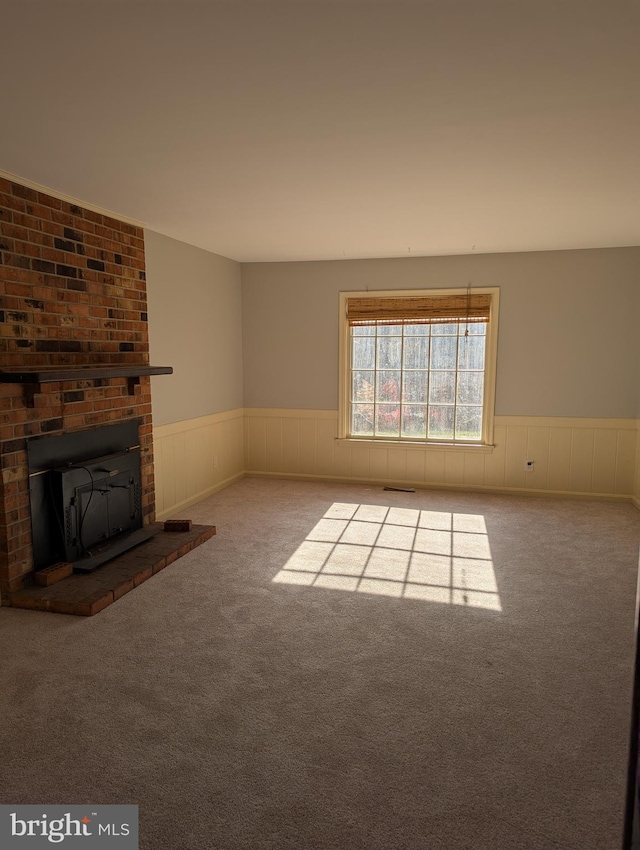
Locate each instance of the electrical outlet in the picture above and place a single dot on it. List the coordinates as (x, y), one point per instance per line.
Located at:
(528, 465)
(215, 461)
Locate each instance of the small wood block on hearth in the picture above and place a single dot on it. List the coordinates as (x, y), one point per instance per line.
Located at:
(53, 574)
(177, 525)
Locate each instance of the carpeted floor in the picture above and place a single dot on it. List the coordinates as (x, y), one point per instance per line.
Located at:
(451, 673)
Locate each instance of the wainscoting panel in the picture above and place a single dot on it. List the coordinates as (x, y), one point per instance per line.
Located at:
(573, 456)
(599, 457)
(185, 454)
(636, 487)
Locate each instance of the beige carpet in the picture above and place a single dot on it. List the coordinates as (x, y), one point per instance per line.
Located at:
(343, 667)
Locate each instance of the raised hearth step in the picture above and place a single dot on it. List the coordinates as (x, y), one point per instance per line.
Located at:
(86, 594)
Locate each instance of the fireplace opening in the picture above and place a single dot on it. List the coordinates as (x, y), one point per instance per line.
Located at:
(85, 493)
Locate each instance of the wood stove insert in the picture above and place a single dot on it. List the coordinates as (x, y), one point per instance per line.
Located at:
(85, 494)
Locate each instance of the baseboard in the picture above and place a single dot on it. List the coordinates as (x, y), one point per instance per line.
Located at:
(466, 488)
(198, 497)
(635, 502)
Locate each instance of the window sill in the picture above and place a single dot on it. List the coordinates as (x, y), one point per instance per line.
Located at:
(410, 444)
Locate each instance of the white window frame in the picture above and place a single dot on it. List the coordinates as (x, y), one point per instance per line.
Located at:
(491, 356)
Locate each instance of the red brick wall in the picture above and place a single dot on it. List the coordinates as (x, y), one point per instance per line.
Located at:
(72, 292)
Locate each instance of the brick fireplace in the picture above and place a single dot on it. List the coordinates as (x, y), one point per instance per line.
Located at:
(72, 295)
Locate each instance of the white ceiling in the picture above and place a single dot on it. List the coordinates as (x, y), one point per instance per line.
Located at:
(315, 130)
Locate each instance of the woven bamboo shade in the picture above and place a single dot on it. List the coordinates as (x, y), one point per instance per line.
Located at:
(420, 310)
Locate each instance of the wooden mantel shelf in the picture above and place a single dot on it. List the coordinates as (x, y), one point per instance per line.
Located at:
(48, 374)
(32, 379)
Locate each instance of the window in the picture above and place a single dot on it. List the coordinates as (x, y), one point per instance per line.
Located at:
(419, 366)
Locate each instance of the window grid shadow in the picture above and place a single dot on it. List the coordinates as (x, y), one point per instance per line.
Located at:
(458, 591)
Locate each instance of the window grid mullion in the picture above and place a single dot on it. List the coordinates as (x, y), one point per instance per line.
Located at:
(375, 385)
(426, 430)
(428, 371)
(455, 396)
(401, 391)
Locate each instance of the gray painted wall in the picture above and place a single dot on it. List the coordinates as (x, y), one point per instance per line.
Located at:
(195, 325)
(568, 340)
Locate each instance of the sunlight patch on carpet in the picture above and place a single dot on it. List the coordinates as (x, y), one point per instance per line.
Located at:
(432, 556)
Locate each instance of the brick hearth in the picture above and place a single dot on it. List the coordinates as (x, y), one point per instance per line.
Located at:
(86, 595)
